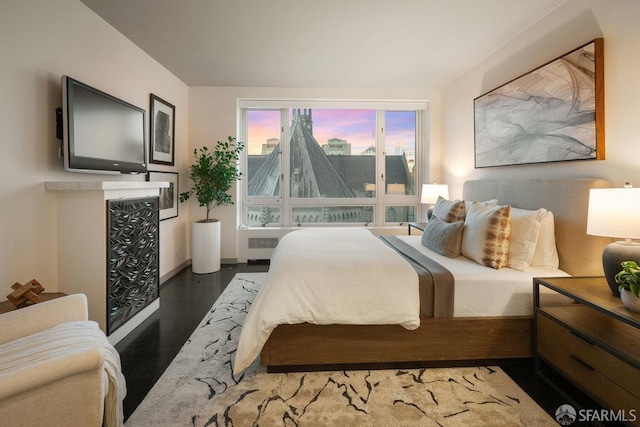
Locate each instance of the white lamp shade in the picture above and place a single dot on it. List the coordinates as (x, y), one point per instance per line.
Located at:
(430, 193)
(614, 212)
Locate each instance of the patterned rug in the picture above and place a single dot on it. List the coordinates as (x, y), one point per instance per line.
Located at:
(199, 388)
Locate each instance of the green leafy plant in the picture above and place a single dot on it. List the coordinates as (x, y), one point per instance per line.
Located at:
(213, 173)
(629, 278)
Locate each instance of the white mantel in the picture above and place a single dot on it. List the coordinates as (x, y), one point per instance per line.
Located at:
(109, 189)
(102, 185)
(106, 190)
(82, 247)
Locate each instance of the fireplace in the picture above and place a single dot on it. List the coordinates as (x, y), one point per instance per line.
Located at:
(108, 249)
(132, 258)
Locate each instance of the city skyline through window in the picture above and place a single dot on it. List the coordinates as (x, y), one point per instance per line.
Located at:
(333, 155)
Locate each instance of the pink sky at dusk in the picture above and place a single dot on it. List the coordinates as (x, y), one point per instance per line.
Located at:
(355, 126)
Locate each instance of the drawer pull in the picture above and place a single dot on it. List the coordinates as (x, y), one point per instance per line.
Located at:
(584, 364)
(580, 338)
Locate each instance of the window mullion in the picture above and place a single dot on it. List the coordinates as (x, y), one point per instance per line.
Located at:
(380, 167)
(285, 177)
(242, 189)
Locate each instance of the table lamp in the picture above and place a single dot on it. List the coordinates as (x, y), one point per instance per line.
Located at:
(615, 212)
(430, 193)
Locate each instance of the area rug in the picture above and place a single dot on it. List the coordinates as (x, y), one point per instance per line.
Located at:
(199, 388)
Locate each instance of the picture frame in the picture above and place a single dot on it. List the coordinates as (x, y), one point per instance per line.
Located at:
(162, 131)
(168, 202)
(554, 113)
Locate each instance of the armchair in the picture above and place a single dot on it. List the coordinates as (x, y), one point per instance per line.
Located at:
(58, 368)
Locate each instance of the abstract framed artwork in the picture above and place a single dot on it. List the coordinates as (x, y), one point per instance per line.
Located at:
(168, 202)
(162, 132)
(554, 113)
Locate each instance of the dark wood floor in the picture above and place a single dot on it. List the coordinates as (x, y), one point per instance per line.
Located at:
(184, 300)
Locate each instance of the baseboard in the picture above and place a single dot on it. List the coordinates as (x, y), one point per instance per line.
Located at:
(134, 322)
(175, 271)
(187, 263)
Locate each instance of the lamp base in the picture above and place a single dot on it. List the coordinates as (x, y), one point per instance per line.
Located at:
(613, 255)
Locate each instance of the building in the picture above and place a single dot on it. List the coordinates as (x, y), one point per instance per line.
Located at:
(337, 146)
(349, 175)
(269, 146)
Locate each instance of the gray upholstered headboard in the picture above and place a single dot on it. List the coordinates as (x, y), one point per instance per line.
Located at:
(580, 254)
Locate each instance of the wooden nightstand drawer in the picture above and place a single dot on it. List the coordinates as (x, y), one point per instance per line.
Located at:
(583, 374)
(594, 342)
(621, 373)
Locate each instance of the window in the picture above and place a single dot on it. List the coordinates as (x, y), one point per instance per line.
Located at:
(263, 160)
(400, 152)
(312, 164)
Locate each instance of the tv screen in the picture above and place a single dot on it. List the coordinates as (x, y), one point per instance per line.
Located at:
(101, 133)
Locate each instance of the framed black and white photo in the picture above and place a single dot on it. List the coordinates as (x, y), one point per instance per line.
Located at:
(162, 132)
(554, 113)
(168, 203)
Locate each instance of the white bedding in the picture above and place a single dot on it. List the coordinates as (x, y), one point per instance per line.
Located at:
(370, 284)
(481, 291)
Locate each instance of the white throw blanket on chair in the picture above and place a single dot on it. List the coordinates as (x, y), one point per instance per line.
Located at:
(63, 340)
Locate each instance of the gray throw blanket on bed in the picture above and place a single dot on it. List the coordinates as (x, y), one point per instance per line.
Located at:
(436, 282)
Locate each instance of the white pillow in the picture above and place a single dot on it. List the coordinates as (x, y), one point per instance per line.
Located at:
(525, 227)
(546, 253)
(486, 235)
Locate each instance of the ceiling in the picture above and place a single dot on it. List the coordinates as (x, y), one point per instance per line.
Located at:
(382, 44)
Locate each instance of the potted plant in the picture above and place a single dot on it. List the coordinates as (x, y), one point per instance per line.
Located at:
(212, 174)
(629, 285)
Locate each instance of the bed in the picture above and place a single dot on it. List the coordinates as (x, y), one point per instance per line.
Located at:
(484, 327)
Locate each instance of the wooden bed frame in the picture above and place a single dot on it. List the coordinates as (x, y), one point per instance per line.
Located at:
(455, 340)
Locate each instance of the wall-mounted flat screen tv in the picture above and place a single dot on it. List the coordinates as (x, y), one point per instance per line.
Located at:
(101, 133)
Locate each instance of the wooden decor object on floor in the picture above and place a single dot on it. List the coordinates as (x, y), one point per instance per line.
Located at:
(26, 294)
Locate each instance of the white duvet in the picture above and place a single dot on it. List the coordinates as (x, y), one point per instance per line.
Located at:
(317, 276)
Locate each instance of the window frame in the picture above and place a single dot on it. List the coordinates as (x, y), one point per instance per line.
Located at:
(380, 202)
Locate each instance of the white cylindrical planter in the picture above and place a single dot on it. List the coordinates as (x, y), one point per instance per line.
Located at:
(205, 247)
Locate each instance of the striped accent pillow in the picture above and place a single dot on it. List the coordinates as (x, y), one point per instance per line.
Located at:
(449, 210)
(486, 235)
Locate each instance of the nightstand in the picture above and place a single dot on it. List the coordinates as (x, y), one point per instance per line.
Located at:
(418, 225)
(590, 338)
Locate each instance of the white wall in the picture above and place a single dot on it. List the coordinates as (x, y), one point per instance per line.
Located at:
(574, 23)
(41, 40)
(213, 116)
